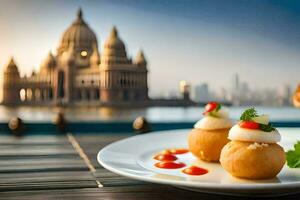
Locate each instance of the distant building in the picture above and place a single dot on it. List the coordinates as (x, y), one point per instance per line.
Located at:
(235, 83)
(185, 90)
(202, 93)
(285, 95)
(235, 90)
(78, 73)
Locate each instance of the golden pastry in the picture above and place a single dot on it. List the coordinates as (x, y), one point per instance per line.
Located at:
(253, 152)
(209, 134)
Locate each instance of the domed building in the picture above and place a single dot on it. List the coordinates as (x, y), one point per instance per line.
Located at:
(80, 74)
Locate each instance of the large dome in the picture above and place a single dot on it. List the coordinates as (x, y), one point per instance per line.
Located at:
(80, 34)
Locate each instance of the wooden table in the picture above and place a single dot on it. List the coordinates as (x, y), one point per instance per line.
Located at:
(65, 167)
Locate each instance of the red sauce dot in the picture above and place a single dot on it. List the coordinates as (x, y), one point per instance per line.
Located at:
(195, 171)
(178, 151)
(165, 157)
(169, 165)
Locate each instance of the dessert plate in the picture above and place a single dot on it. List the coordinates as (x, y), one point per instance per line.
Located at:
(133, 158)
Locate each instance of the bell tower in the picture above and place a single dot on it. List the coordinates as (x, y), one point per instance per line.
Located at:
(64, 77)
(11, 89)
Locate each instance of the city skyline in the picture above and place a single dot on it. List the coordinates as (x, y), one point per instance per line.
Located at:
(191, 47)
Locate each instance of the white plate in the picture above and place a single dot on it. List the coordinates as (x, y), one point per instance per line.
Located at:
(133, 157)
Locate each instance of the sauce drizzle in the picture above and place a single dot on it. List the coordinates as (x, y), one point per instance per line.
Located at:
(195, 171)
(165, 157)
(169, 165)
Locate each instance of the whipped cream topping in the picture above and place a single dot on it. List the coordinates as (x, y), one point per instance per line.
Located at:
(253, 135)
(213, 123)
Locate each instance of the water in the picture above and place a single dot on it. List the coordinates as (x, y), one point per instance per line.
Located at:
(154, 114)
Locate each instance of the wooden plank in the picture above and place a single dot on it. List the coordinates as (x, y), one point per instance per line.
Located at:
(105, 137)
(131, 193)
(4, 158)
(33, 146)
(36, 151)
(46, 168)
(101, 172)
(36, 139)
(46, 176)
(48, 185)
(135, 192)
(91, 144)
(40, 161)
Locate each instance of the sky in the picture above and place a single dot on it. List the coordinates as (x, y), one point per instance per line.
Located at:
(200, 41)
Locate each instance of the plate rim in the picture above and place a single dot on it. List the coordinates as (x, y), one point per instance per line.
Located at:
(204, 185)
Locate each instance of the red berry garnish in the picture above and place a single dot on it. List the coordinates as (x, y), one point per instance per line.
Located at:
(211, 106)
(249, 124)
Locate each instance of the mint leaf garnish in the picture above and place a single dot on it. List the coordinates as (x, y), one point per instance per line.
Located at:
(266, 128)
(248, 114)
(218, 107)
(293, 156)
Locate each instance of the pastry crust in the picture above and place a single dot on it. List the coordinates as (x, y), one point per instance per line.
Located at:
(207, 144)
(252, 160)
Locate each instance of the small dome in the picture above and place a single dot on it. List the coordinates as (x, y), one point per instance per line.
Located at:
(49, 61)
(78, 33)
(114, 49)
(12, 67)
(113, 41)
(140, 58)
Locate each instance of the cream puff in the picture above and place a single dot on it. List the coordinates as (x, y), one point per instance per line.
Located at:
(253, 152)
(210, 134)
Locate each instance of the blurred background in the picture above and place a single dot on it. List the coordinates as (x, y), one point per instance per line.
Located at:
(117, 60)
